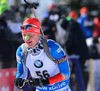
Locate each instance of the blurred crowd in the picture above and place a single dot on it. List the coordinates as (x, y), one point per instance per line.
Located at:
(77, 32)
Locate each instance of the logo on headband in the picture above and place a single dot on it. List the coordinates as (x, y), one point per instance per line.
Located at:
(36, 30)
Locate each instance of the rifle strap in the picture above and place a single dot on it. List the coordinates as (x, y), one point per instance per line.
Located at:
(25, 53)
(46, 49)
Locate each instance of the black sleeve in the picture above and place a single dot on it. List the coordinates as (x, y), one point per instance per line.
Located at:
(69, 38)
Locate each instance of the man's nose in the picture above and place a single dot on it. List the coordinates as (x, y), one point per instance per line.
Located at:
(26, 37)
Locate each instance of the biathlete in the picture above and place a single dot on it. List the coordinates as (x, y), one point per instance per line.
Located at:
(45, 74)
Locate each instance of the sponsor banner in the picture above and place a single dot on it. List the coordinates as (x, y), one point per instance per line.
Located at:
(7, 77)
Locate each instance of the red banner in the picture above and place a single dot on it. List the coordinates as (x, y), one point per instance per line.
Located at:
(7, 77)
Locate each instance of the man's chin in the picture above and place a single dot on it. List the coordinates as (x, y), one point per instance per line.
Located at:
(29, 45)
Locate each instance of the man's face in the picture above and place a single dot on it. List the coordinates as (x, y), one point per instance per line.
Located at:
(32, 39)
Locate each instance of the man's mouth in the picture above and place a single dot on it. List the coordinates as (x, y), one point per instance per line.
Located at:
(29, 42)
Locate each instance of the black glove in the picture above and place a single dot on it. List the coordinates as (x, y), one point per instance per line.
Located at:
(20, 83)
(38, 82)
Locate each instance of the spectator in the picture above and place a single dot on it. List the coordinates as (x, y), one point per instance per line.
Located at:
(75, 44)
(93, 48)
(96, 31)
(6, 39)
(86, 22)
(54, 13)
(14, 26)
(17, 13)
(49, 29)
(60, 34)
(72, 15)
(49, 26)
(62, 31)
